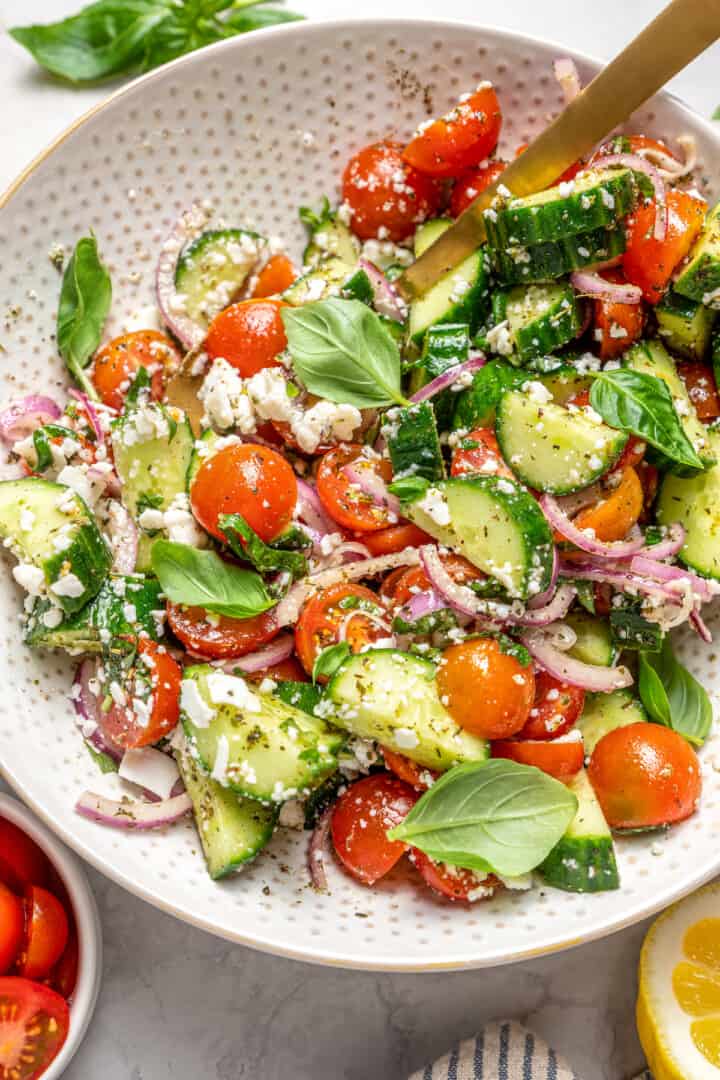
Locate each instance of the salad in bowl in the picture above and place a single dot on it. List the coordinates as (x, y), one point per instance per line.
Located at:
(402, 574)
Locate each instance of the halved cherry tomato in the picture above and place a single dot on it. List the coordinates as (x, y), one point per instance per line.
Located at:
(648, 262)
(21, 860)
(64, 975)
(344, 500)
(408, 770)
(220, 636)
(400, 585)
(46, 933)
(118, 361)
(34, 1022)
(700, 384)
(277, 274)
(249, 335)
(649, 480)
(485, 690)
(617, 325)
(12, 928)
(453, 882)
(468, 185)
(289, 670)
(325, 614)
(360, 820)
(395, 538)
(462, 138)
(484, 457)
(556, 707)
(561, 758)
(247, 479)
(645, 775)
(387, 197)
(122, 723)
(613, 517)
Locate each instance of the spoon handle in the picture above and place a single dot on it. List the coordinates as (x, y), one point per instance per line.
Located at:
(681, 31)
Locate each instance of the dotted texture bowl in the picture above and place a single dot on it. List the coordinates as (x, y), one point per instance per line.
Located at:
(231, 124)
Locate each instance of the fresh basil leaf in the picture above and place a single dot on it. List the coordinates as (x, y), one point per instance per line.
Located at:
(246, 544)
(316, 220)
(672, 696)
(103, 39)
(301, 695)
(104, 762)
(341, 351)
(716, 114)
(257, 16)
(642, 404)
(85, 297)
(200, 578)
(409, 488)
(436, 622)
(329, 660)
(493, 816)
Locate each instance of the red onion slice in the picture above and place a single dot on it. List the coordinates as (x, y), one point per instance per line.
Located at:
(87, 706)
(669, 546)
(561, 666)
(679, 576)
(373, 485)
(556, 609)
(459, 597)
(441, 382)
(639, 164)
(274, 653)
(591, 284)
(622, 578)
(387, 300)
(541, 599)
(580, 538)
(700, 627)
(188, 226)
(311, 510)
(567, 75)
(317, 850)
(22, 417)
(92, 414)
(421, 604)
(133, 814)
(123, 539)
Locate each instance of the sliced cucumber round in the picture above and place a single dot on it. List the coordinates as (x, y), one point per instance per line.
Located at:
(584, 860)
(594, 641)
(552, 449)
(603, 713)
(213, 268)
(542, 318)
(516, 264)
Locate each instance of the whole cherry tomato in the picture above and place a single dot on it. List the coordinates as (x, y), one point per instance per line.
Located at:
(462, 138)
(561, 758)
(388, 199)
(249, 335)
(485, 690)
(360, 820)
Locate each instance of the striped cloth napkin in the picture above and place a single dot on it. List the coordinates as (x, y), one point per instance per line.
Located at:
(502, 1051)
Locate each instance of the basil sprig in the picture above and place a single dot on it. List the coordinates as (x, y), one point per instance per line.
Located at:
(493, 816)
(672, 696)
(85, 297)
(202, 579)
(341, 351)
(642, 404)
(246, 544)
(119, 37)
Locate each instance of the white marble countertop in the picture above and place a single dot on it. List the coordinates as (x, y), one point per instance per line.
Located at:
(178, 1003)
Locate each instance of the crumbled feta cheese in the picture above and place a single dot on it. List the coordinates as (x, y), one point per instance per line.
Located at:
(435, 505)
(230, 690)
(68, 585)
(500, 339)
(191, 702)
(406, 738)
(30, 578)
(292, 815)
(180, 523)
(52, 617)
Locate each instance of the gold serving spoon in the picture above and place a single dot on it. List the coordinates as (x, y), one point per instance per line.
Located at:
(681, 31)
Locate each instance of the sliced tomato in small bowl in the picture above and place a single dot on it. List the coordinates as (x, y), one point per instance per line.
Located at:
(34, 1023)
(46, 933)
(21, 860)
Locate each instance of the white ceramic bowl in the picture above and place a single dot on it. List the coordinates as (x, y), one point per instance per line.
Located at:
(260, 125)
(87, 921)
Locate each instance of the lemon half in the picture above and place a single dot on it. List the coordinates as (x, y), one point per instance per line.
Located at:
(678, 1007)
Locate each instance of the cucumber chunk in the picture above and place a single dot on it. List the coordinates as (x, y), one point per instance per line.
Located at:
(694, 501)
(542, 318)
(328, 236)
(261, 747)
(700, 277)
(584, 860)
(392, 697)
(412, 441)
(49, 527)
(516, 265)
(212, 270)
(631, 630)
(475, 407)
(153, 447)
(565, 383)
(604, 713)
(594, 643)
(684, 325)
(461, 296)
(652, 358)
(598, 198)
(444, 346)
(326, 279)
(552, 449)
(493, 522)
(232, 829)
(104, 618)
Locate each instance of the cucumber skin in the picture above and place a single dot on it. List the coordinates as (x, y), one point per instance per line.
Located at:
(685, 326)
(103, 612)
(518, 265)
(470, 308)
(526, 223)
(413, 443)
(702, 271)
(568, 865)
(90, 561)
(550, 330)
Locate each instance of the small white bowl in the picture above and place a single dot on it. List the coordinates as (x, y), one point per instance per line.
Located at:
(87, 920)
